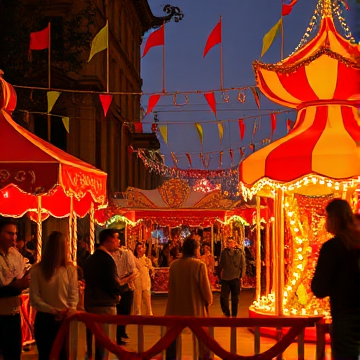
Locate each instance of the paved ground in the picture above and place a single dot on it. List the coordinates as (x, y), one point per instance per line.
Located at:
(152, 334)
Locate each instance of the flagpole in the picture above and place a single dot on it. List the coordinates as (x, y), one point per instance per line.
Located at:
(49, 82)
(282, 33)
(221, 58)
(164, 88)
(107, 59)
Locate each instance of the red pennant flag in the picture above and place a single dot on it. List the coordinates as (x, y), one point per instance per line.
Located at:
(105, 100)
(256, 96)
(252, 147)
(153, 100)
(210, 98)
(231, 155)
(189, 159)
(220, 158)
(255, 128)
(287, 7)
(242, 128)
(213, 39)
(273, 123)
(40, 40)
(156, 38)
(242, 152)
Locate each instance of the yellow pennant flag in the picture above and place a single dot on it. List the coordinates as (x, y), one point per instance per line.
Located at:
(163, 131)
(200, 132)
(52, 96)
(221, 131)
(100, 42)
(66, 122)
(270, 36)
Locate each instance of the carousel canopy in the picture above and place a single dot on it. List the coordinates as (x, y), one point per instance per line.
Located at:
(32, 169)
(321, 80)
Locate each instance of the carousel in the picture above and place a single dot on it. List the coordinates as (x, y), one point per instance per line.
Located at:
(318, 160)
(164, 217)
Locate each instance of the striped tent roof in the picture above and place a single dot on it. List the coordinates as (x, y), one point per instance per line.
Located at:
(321, 80)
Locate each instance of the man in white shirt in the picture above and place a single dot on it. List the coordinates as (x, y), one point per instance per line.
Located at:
(13, 279)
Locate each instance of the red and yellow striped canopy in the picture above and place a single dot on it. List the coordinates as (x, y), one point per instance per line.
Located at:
(321, 80)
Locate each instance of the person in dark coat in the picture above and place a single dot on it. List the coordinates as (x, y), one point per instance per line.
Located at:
(337, 275)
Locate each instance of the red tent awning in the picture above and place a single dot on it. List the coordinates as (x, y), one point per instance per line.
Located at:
(31, 167)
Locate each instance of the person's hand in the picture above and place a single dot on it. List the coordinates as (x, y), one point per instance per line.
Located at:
(60, 315)
(22, 283)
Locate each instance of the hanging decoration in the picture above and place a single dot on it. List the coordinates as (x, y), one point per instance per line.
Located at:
(156, 38)
(199, 130)
(213, 39)
(100, 42)
(221, 132)
(241, 97)
(189, 159)
(210, 98)
(52, 97)
(252, 147)
(231, 152)
(164, 132)
(220, 158)
(105, 100)
(182, 104)
(242, 128)
(256, 94)
(175, 160)
(153, 100)
(66, 122)
(289, 125)
(242, 152)
(270, 37)
(273, 123)
(255, 128)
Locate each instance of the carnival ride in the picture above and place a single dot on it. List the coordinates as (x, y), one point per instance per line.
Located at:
(318, 159)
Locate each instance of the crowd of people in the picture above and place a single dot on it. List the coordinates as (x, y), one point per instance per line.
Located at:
(117, 279)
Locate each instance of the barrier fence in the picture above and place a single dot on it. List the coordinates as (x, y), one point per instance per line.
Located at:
(172, 326)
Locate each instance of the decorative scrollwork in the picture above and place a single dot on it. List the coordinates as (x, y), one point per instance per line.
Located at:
(174, 12)
(182, 104)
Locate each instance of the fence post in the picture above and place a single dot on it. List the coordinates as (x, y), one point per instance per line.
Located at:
(279, 336)
(73, 339)
(211, 333)
(162, 334)
(140, 338)
(320, 340)
(233, 340)
(301, 345)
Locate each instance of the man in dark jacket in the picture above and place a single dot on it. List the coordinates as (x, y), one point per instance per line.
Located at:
(233, 269)
(102, 285)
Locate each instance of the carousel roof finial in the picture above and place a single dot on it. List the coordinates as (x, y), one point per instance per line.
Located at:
(326, 8)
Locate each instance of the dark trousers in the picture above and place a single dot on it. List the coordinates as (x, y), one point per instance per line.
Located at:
(227, 287)
(123, 308)
(45, 331)
(10, 336)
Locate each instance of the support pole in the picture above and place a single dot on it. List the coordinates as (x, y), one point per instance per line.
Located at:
(92, 228)
(71, 245)
(38, 230)
(258, 249)
(74, 237)
(212, 239)
(273, 246)
(279, 252)
(267, 256)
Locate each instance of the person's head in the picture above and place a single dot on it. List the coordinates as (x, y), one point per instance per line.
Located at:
(230, 243)
(340, 222)
(109, 238)
(55, 254)
(8, 233)
(190, 247)
(206, 249)
(139, 249)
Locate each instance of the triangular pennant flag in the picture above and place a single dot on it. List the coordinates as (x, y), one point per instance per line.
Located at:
(189, 159)
(287, 6)
(105, 100)
(220, 158)
(289, 125)
(231, 152)
(252, 147)
(100, 42)
(156, 38)
(256, 94)
(52, 96)
(40, 40)
(242, 152)
(221, 131)
(164, 132)
(270, 36)
(153, 100)
(273, 123)
(66, 122)
(255, 128)
(200, 132)
(213, 39)
(210, 98)
(241, 128)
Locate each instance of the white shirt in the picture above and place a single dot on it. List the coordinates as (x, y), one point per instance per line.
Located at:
(59, 293)
(12, 266)
(143, 281)
(125, 262)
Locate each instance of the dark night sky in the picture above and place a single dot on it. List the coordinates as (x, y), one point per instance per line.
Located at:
(244, 23)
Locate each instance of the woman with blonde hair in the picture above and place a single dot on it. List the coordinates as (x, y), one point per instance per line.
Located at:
(337, 275)
(53, 293)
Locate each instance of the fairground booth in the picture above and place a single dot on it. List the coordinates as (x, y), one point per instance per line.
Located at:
(318, 160)
(39, 180)
(165, 216)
